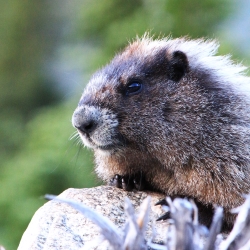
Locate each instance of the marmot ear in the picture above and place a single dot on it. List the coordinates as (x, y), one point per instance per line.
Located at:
(178, 65)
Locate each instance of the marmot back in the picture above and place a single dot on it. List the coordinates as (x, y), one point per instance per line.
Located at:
(170, 114)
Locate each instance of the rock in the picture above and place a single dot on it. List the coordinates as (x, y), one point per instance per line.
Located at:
(58, 226)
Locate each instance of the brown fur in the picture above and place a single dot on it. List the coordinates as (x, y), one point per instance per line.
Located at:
(187, 130)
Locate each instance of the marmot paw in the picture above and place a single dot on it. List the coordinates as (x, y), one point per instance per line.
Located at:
(128, 182)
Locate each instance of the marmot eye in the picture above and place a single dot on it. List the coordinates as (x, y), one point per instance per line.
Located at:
(133, 88)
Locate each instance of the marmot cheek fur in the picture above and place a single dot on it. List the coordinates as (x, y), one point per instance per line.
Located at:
(171, 114)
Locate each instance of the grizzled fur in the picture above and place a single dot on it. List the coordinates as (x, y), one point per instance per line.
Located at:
(184, 126)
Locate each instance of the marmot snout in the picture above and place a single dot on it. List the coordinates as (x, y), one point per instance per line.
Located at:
(171, 113)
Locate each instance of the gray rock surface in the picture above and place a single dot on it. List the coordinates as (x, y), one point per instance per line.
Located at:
(58, 226)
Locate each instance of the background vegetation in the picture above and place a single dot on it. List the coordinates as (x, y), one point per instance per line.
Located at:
(48, 49)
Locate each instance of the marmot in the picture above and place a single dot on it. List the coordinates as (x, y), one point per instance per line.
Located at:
(173, 116)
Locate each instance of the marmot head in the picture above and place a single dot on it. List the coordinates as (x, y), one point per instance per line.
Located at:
(124, 101)
(163, 97)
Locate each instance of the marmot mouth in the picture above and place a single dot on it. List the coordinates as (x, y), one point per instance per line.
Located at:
(108, 147)
(118, 142)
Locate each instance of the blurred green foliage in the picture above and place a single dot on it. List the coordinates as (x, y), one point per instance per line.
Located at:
(36, 154)
(114, 23)
(46, 163)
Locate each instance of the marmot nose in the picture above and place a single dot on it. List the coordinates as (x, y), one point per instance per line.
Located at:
(87, 126)
(86, 119)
